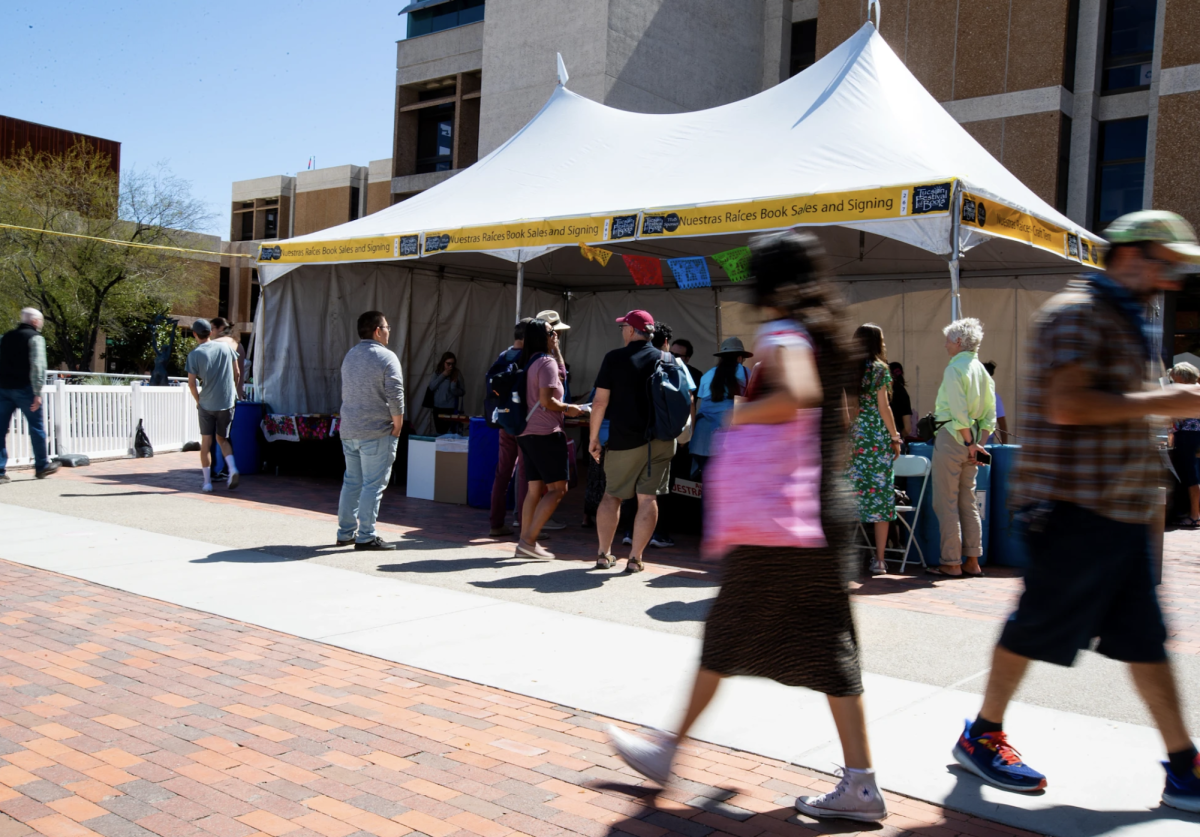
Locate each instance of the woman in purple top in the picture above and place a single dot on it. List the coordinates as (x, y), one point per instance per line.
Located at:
(543, 444)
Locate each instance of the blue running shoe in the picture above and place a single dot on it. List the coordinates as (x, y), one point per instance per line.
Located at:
(1183, 792)
(993, 759)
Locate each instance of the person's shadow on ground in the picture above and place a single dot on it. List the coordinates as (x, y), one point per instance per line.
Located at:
(967, 797)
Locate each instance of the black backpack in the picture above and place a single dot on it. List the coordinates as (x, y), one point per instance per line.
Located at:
(495, 390)
(511, 413)
(670, 399)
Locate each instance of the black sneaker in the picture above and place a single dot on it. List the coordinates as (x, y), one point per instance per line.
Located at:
(5, 478)
(376, 543)
(346, 542)
(48, 470)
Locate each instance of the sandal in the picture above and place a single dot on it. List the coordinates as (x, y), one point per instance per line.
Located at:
(936, 571)
(634, 565)
(605, 561)
(878, 568)
(1188, 523)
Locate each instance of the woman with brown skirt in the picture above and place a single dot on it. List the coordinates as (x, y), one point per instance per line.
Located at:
(783, 612)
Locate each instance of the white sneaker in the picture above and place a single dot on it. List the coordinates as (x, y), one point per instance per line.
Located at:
(650, 758)
(206, 488)
(527, 550)
(856, 797)
(232, 481)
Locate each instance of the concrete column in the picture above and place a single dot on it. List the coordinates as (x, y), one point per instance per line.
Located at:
(777, 41)
(1085, 126)
(1160, 18)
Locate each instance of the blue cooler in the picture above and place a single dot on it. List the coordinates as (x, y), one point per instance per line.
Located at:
(929, 534)
(244, 437)
(1006, 544)
(483, 454)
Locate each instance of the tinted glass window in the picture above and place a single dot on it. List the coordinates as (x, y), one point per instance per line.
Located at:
(1121, 174)
(444, 16)
(435, 139)
(1129, 45)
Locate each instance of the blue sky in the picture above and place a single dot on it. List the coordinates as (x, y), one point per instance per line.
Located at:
(219, 91)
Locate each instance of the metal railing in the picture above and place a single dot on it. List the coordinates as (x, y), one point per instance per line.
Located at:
(100, 420)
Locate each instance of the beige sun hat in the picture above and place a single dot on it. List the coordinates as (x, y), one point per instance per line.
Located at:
(553, 319)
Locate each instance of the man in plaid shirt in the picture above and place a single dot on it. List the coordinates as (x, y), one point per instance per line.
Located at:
(1087, 485)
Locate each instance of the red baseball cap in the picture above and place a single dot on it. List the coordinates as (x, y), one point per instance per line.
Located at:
(638, 321)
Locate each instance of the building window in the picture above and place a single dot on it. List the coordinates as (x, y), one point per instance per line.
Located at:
(247, 226)
(435, 139)
(1121, 172)
(804, 46)
(1128, 45)
(445, 15)
(223, 294)
(1070, 54)
(1064, 163)
(271, 228)
(354, 199)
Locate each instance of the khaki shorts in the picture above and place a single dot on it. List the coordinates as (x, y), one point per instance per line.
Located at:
(625, 470)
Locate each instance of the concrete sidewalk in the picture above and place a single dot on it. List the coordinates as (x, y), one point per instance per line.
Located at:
(621, 671)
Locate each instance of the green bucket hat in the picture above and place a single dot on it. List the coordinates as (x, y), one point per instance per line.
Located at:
(1157, 225)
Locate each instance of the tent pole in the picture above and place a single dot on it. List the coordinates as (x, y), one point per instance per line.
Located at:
(717, 311)
(520, 288)
(955, 224)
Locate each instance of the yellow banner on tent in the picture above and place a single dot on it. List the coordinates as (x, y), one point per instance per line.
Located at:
(779, 213)
(378, 248)
(1005, 221)
(579, 230)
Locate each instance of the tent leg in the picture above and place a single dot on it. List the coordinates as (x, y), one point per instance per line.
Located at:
(717, 312)
(520, 288)
(955, 254)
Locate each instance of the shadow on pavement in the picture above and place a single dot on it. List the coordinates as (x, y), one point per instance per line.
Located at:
(268, 554)
(453, 565)
(1055, 819)
(113, 494)
(562, 581)
(680, 611)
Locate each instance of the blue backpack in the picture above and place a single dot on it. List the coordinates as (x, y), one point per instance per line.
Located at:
(670, 399)
(507, 387)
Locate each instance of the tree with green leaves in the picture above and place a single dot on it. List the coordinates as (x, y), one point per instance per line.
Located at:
(69, 246)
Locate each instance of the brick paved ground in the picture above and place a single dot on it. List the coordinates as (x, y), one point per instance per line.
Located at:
(989, 598)
(124, 716)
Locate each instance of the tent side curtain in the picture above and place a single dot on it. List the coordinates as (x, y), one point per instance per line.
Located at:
(310, 320)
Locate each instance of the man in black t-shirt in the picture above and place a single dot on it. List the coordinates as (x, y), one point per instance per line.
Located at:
(632, 465)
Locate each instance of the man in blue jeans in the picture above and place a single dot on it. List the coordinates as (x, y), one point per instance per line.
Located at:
(22, 372)
(371, 417)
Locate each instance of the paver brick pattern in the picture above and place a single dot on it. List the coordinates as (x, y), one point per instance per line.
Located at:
(127, 717)
(990, 598)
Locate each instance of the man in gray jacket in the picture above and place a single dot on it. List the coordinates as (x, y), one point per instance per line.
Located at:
(22, 373)
(371, 417)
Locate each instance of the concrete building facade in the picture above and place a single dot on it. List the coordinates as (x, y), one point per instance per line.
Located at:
(1093, 103)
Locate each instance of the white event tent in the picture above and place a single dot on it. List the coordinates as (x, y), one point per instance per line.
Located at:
(853, 147)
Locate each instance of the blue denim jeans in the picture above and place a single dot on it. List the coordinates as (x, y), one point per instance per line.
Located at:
(12, 400)
(368, 467)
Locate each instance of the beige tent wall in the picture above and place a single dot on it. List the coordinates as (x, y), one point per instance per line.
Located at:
(310, 324)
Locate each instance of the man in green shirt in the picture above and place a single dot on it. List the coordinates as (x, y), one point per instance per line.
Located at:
(966, 409)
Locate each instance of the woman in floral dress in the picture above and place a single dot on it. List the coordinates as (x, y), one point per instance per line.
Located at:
(876, 443)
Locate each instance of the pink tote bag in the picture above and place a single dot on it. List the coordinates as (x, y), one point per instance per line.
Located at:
(763, 486)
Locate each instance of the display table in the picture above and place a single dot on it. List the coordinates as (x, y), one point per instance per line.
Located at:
(437, 468)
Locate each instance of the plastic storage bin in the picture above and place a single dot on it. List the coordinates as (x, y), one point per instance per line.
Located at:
(929, 534)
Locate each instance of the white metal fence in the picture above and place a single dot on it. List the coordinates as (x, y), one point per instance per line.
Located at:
(100, 420)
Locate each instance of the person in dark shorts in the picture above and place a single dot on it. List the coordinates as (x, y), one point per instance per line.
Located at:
(543, 444)
(213, 365)
(1087, 490)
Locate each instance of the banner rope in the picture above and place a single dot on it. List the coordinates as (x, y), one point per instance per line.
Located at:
(120, 243)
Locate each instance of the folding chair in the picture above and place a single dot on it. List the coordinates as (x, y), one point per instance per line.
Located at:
(905, 466)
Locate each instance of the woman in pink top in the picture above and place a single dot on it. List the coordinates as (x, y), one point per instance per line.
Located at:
(543, 444)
